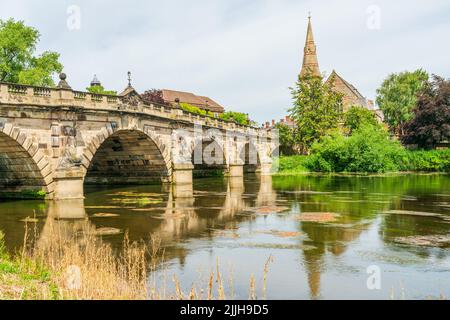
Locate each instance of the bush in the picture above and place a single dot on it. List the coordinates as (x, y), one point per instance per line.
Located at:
(368, 149)
(294, 164)
(431, 161)
(358, 116)
(194, 109)
(238, 117)
(101, 90)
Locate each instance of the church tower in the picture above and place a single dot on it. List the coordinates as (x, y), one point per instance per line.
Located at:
(310, 61)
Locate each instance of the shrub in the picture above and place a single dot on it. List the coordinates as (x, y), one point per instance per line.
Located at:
(292, 164)
(368, 149)
(358, 116)
(101, 90)
(154, 96)
(194, 109)
(431, 161)
(238, 117)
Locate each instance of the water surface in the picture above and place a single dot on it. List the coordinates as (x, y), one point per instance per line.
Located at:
(323, 232)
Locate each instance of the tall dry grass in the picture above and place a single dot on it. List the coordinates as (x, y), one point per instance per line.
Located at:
(82, 266)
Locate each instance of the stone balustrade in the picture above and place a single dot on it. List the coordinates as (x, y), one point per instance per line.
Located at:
(56, 139)
(15, 94)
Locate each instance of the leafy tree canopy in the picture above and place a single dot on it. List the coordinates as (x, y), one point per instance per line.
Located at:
(287, 139)
(368, 149)
(194, 109)
(316, 109)
(358, 116)
(431, 122)
(397, 97)
(239, 117)
(154, 96)
(101, 90)
(18, 63)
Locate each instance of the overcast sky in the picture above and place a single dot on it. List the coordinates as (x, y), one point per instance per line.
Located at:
(245, 54)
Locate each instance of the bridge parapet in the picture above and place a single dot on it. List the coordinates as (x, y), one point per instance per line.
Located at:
(16, 94)
(56, 139)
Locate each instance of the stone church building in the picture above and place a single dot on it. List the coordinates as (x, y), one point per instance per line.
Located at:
(352, 97)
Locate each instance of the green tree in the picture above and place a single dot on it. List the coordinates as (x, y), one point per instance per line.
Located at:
(397, 97)
(368, 149)
(431, 123)
(239, 117)
(287, 139)
(194, 109)
(100, 90)
(316, 109)
(18, 64)
(358, 116)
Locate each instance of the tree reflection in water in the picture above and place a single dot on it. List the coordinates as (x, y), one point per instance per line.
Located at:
(219, 205)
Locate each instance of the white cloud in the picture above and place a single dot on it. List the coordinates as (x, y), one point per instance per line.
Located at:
(244, 54)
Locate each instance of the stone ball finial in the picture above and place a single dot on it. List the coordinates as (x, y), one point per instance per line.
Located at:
(62, 82)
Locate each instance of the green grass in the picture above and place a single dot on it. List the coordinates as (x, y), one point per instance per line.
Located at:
(292, 165)
(23, 278)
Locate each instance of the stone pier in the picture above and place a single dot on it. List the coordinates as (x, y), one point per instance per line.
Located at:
(53, 141)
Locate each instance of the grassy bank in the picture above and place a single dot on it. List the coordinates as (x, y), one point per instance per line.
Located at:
(292, 165)
(24, 278)
(401, 161)
(71, 262)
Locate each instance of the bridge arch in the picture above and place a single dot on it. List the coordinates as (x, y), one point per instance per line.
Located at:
(24, 170)
(209, 158)
(249, 155)
(127, 156)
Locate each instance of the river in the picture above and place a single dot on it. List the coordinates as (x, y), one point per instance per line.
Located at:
(327, 237)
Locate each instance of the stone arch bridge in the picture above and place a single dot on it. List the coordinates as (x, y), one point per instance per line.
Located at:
(55, 140)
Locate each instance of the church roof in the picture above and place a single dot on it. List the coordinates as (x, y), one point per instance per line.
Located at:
(352, 88)
(309, 32)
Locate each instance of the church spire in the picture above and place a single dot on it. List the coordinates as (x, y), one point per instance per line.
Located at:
(310, 61)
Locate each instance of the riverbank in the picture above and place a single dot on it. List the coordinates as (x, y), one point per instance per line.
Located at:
(76, 264)
(404, 162)
(25, 279)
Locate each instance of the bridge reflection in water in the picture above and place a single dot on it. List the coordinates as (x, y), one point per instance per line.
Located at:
(179, 211)
(244, 221)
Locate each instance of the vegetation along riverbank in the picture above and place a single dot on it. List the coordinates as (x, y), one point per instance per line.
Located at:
(413, 138)
(75, 263)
